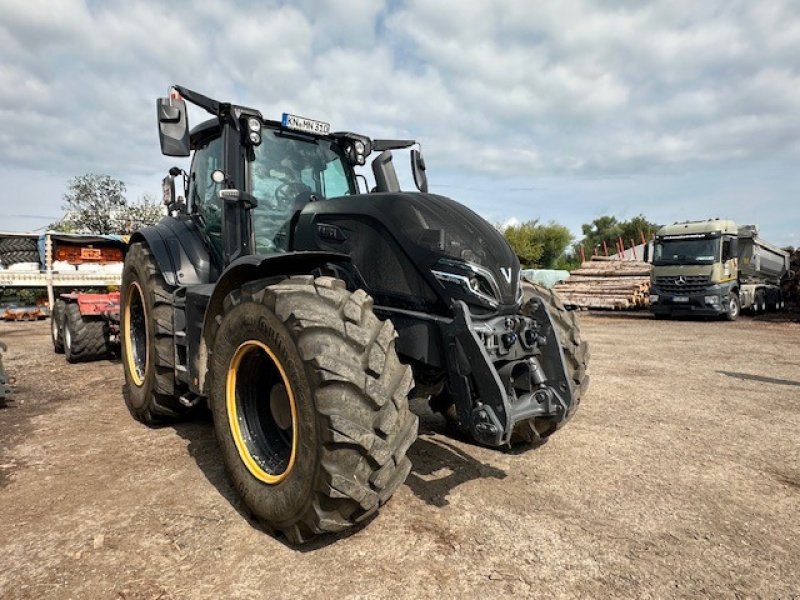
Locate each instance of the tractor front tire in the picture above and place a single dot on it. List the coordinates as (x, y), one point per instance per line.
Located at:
(576, 359)
(57, 326)
(310, 405)
(146, 335)
(85, 338)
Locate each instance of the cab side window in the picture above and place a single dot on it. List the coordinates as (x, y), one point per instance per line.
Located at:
(726, 250)
(334, 180)
(203, 192)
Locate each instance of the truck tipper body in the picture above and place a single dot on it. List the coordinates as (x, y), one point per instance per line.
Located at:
(715, 268)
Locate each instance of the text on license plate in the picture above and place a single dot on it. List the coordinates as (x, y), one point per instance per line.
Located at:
(680, 299)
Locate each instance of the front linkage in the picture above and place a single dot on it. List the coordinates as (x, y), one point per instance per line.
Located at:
(505, 370)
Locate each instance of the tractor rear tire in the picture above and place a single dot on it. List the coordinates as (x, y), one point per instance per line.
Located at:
(85, 338)
(310, 404)
(57, 325)
(576, 360)
(146, 335)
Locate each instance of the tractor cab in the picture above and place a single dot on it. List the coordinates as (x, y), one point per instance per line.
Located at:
(253, 176)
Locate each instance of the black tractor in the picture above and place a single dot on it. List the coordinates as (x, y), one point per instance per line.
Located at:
(305, 309)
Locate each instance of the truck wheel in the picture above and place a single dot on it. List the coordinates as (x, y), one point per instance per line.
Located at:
(576, 360)
(761, 302)
(57, 326)
(734, 308)
(85, 338)
(146, 334)
(310, 404)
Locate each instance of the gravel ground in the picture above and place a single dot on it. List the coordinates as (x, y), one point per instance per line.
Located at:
(679, 477)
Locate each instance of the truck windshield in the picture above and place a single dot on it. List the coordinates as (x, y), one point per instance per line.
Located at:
(686, 252)
(285, 174)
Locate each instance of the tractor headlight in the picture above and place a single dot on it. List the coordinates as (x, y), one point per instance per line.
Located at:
(253, 131)
(476, 281)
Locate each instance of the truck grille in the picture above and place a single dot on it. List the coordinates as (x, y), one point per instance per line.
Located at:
(691, 284)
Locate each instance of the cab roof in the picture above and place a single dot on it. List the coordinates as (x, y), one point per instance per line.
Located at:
(708, 226)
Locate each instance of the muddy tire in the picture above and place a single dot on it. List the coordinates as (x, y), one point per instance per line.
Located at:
(57, 326)
(85, 338)
(310, 405)
(576, 359)
(146, 335)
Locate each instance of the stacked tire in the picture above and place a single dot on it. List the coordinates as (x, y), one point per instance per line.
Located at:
(18, 250)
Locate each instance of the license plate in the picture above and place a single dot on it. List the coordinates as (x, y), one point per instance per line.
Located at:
(307, 125)
(91, 253)
(680, 299)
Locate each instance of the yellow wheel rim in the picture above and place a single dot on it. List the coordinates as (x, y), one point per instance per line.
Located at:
(255, 414)
(137, 348)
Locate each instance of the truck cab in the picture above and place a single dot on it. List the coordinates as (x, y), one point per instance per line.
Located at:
(695, 268)
(714, 268)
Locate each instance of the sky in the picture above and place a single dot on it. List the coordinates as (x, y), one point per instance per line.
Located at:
(552, 110)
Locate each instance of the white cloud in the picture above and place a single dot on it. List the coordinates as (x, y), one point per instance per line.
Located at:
(504, 89)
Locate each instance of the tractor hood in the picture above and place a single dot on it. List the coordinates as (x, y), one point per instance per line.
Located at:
(455, 249)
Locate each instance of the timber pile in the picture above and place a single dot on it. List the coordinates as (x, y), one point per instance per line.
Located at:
(609, 283)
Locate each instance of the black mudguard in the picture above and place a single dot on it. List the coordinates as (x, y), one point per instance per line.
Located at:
(180, 250)
(205, 302)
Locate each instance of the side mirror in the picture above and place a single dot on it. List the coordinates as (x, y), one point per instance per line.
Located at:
(734, 247)
(168, 190)
(418, 170)
(173, 126)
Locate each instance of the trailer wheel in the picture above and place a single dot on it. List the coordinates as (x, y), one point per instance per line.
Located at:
(734, 307)
(576, 360)
(57, 326)
(146, 335)
(310, 404)
(85, 338)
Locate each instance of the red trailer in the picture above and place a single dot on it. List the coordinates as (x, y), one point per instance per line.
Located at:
(86, 326)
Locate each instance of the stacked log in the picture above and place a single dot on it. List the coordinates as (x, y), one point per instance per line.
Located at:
(607, 283)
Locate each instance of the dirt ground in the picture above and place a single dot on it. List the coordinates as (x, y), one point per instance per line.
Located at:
(679, 477)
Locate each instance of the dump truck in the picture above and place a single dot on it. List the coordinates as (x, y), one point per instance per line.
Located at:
(304, 307)
(715, 268)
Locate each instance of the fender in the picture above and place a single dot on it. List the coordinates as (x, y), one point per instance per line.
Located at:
(247, 268)
(179, 250)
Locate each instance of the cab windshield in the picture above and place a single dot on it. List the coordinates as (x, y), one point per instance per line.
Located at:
(686, 252)
(285, 174)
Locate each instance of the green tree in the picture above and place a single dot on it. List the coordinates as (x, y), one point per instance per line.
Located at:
(90, 202)
(521, 239)
(608, 229)
(538, 245)
(147, 211)
(96, 204)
